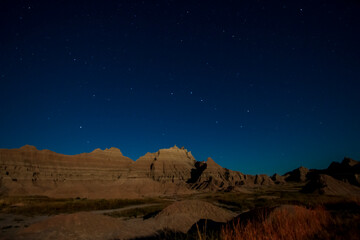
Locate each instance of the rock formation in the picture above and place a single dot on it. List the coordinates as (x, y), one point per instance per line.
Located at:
(348, 170)
(109, 174)
(297, 175)
(278, 179)
(211, 176)
(166, 165)
(325, 184)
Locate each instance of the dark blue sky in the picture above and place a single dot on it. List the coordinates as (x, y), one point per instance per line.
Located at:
(260, 86)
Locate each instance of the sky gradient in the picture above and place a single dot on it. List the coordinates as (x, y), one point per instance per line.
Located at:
(259, 86)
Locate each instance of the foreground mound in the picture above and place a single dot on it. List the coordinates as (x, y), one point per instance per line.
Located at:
(180, 216)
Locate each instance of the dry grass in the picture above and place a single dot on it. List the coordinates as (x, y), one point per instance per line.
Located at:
(38, 205)
(293, 223)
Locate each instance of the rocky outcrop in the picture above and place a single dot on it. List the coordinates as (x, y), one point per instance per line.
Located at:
(325, 184)
(263, 179)
(348, 170)
(210, 176)
(278, 179)
(167, 165)
(297, 175)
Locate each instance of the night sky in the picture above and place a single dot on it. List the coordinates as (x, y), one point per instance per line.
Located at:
(260, 86)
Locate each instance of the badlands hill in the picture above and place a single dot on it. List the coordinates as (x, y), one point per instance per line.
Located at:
(109, 174)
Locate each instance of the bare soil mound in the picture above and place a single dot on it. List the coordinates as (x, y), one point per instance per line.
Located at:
(180, 216)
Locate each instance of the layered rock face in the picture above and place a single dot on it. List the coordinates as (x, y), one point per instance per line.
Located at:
(167, 165)
(28, 163)
(109, 174)
(30, 171)
(99, 174)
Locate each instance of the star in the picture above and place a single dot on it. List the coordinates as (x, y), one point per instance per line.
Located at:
(80, 127)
